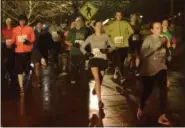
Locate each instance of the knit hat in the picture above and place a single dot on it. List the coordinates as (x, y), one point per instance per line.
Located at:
(22, 17)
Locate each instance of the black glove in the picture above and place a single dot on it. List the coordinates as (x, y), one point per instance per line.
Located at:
(104, 51)
(76, 45)
(89, 55)
(26, 42)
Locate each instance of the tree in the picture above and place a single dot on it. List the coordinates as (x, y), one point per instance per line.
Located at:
(35, 9)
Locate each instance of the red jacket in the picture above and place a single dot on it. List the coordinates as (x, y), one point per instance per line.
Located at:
(7, 33)
(19, 33)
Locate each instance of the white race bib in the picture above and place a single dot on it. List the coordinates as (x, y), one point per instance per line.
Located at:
(22, 38)
(118, 39)
(98, 54)
(135, 37)
(79, 42)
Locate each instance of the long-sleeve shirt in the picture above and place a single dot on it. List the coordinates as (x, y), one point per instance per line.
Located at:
(120, 31)
(19, 35)
(76, 35)
(7, 33)
(97, 42)
(153, 56)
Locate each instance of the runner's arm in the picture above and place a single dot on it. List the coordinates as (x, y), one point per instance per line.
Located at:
(112, 47)
(146, 49)
(84, 45)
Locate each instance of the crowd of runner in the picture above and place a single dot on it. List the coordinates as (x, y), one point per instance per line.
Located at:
(70, 48)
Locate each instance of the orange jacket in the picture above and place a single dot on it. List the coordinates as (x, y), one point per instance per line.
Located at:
(19, 33)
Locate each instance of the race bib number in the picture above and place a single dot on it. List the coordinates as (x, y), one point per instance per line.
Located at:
(22, 38)
(135, 37)
(79, 42)
(118, 39)
(98, 54)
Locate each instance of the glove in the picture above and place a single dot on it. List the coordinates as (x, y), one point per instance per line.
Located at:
(89, 55)
(26, 42)
(76, 45)
(104, 51)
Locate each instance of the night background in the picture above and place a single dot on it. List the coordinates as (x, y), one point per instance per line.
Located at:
(57, 103)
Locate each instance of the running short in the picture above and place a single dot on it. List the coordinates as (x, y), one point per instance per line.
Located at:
(97, 62)
(134, 47)
(22, 62)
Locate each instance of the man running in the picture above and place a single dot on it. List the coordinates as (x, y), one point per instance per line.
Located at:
(119, 31)
(23, 38)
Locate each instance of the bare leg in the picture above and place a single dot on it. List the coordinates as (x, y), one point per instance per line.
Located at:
(37, 71)
(95, 72)
(20, 80)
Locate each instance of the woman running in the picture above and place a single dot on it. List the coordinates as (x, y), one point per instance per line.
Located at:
(100, 44)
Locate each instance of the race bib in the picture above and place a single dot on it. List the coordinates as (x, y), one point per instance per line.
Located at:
(98, 54)
(79, 42)
(22, 38)
(118, 39)
(135, 37)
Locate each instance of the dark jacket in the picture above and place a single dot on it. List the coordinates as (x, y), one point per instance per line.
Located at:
(45, 44)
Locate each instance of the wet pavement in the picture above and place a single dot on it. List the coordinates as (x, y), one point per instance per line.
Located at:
(58, 103)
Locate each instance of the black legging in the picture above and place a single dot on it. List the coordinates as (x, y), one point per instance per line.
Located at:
(118, 58)
(77, 66)
(148, 83)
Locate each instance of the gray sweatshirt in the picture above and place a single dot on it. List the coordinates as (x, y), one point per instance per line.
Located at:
(153, 56)
(96, 43)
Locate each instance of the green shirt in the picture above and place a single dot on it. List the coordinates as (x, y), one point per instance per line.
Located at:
(76, 35)
(120, 31)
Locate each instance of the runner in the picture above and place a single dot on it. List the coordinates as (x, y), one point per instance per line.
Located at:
(66, 51)
(23, 37)
(36, 56)
(119, 31)
(8, 51)
(45, 45)
(153, 68)
(170, 42)
(75, 39)
(134, 45)
(99, 43)
(55, 31)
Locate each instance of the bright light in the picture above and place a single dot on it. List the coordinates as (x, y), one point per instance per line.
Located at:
(105, 22)
(141, 16)
(44, 25)
(179, 14)
(32, 65)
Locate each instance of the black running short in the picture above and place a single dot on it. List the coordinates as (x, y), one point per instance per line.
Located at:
(97, 62)
(22, 62)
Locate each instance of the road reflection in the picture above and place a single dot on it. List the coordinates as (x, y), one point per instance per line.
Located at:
(96, 115)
